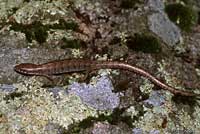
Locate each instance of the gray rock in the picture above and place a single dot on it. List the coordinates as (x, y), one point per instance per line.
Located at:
(160, 24)
(13, 52)
(7, 88)
(106, 128)
(137, 131)
(154, 132)
(156, 5)
(99, 96)
(140, 131)
(55, 91)
(156, 98)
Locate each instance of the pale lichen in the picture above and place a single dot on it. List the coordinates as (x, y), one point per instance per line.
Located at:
(71, 110)
(164, 116)
(169, 79)
(7, 7)
(197, 71)
(36, 9)
(153, 118)
(180, 47)
(104, 72)
(77, 53)
(131, 112)
(59, 34)
(147, 86)
(167, 76)
(37, 107)
(123, 36)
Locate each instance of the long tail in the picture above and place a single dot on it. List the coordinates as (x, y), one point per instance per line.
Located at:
(134, 69)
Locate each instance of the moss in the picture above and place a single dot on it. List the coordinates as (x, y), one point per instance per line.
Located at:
(184, 16)
(69, 25)
(191, 101)
(12, 96)
(144, 43)
(35, 31)
(188, 2)
(113, 119)
(39, 32)
(126, 4)
(71, 43)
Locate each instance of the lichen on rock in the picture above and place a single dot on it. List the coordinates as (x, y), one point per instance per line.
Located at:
(37, 107)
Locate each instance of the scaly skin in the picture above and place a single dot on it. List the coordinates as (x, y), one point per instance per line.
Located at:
(77, 65)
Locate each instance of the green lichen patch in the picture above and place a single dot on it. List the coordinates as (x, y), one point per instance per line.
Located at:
(184, 16)
(39, 32)
(144, 43)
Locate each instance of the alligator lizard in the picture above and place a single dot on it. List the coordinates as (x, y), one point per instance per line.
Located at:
(76, 65)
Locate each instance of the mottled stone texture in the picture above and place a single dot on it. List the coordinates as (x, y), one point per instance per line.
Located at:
(160, 24)
(99, 96)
